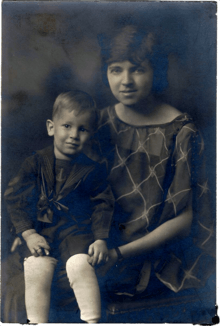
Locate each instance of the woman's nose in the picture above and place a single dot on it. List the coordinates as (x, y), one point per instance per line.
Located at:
(127, 78)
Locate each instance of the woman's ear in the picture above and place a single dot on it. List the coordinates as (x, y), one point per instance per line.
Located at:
(50, 127)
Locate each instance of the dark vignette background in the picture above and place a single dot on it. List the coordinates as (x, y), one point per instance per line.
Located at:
(50, 47)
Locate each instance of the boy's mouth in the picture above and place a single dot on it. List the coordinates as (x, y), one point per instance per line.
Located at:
(73, 144)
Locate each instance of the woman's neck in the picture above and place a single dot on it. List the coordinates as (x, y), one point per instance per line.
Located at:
(142, 114)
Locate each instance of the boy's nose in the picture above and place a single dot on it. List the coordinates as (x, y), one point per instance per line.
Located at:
(74, 133)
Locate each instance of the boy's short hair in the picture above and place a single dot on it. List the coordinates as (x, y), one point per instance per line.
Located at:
(78, 101)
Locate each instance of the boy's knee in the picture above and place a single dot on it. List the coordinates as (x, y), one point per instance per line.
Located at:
(78, 264)
(38, 273)
(39, 270)
(40, 263)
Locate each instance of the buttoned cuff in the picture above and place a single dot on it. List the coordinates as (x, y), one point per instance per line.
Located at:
(101, 235)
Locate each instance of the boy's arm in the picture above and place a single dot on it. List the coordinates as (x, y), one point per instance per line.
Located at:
(101, 223)
(103, 204)
(21, 198)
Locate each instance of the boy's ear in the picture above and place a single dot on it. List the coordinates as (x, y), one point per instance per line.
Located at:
(50, 127)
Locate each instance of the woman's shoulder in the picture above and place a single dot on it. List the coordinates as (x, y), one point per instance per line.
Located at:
(104, 112)
(180, 121)
(107, 115)
(168, 113)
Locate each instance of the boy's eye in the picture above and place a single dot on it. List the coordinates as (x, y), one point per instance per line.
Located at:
(67, 126)
(82, 129)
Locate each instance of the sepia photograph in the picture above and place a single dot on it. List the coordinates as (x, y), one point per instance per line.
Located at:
(108, 150)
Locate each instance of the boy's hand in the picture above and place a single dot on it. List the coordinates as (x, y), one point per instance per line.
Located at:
(17, 242)
(35, 243)
(112, 260)
(98, 252)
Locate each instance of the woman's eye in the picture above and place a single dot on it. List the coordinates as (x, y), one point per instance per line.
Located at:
(139, 70)
(115, 70)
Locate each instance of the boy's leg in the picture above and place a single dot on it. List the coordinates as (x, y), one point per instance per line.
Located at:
(38, 275)
(84, 283)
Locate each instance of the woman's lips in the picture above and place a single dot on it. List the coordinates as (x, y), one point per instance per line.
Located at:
(128, 92)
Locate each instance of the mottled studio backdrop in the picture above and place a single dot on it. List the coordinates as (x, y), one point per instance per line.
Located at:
(50, 47)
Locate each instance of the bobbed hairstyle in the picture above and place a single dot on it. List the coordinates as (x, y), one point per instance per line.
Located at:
(79, 102)
(134, 44)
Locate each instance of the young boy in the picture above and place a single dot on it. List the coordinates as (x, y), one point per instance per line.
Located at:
(61, 205)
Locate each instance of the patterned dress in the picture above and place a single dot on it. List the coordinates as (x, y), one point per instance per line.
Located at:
(156, 172)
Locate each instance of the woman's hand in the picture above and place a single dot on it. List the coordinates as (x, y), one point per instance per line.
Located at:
(98, 252)
(112, 260)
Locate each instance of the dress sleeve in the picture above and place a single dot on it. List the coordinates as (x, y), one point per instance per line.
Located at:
(103, 204)
(190, 261)
(20, 197)
(180, 178)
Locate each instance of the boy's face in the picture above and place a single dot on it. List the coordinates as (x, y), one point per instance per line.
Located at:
(71, 131)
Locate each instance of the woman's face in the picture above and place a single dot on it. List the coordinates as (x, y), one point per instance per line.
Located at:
(130, 83)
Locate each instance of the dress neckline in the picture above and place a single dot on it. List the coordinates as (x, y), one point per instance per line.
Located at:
(179, 117)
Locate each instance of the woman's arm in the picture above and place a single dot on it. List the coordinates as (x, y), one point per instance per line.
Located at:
(178, 227)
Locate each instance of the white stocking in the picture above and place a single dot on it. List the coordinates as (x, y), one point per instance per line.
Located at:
(38, 275)
(84, 283)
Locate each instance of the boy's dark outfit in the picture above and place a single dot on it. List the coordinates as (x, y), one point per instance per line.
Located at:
(68, 202)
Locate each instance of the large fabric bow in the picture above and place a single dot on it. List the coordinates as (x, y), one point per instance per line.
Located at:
(46, 204)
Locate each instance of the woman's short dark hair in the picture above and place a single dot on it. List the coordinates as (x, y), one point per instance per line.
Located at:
(135, 45)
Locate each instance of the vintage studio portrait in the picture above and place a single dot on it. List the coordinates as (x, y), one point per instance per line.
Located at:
(108, 162)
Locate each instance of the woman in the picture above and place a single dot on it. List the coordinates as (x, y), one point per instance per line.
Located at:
(155, 155)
